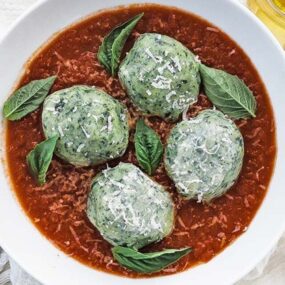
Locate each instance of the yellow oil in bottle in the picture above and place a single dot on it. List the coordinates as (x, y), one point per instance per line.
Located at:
(280, 4)
(272, 13)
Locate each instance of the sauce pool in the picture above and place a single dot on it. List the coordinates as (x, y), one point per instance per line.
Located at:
(58, 208)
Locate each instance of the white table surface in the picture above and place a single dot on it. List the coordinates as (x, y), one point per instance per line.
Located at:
(269, 272)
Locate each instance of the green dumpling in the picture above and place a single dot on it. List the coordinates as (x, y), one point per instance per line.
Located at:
(92, 126)
(204, 155)
(128, 208)
(161, 76)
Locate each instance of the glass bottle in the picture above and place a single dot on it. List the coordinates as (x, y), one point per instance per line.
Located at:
(272, 13)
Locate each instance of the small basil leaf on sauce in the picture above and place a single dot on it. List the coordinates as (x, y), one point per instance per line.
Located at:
(27, 99)
(147, 262)
(228, 93)
(148, 147)
(110, 50)
(39, 159)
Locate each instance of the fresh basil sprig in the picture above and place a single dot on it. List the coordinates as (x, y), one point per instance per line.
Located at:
(228, 93)
(27, 99)
(148, 147)
(39, 159)
(147, 262)
(110, 50)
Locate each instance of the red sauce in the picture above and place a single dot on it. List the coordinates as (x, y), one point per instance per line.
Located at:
(58, 208)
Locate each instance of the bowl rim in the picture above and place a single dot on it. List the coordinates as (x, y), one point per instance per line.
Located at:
(259, 256)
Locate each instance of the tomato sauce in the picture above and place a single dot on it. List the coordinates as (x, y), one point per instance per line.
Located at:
(58, 208)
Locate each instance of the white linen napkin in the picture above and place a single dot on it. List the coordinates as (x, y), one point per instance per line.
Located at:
(270, 271)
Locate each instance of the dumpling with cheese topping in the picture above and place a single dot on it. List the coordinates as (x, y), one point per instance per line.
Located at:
(128, 208)
(204, 155)
(161, 76)
(92, 126)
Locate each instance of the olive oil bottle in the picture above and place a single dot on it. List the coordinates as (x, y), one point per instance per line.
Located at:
(272, 13)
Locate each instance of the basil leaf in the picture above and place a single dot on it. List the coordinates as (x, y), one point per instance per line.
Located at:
(39, 159)
(148, 147)
(27, 99)
(147, 262)
(228, 93)
(110, 50)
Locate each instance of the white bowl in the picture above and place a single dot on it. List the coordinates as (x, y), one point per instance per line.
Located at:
(52, 267)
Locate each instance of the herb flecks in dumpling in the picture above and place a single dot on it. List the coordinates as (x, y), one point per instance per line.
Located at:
(161, 76)
(204, 155)
(92, 126)
(128, 208)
